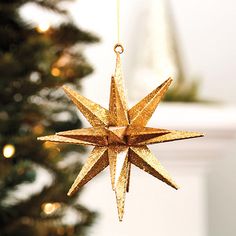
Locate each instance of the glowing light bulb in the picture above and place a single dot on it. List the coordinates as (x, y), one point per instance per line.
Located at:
(38, 129)
(43, 27)
(55, 71)
(49, 208)
(8, 151)
(49, 145)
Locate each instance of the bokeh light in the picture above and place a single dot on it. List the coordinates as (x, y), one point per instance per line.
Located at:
(8, 151)
(43, 27)
(50, 208)
(55, 72)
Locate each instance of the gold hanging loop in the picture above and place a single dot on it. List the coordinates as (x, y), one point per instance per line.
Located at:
(118, 48)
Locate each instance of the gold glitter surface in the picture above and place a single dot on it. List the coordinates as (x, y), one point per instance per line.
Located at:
(95, 136)
(141, 113)
(60, 139)
(121, 187)
(129, 173)
(145, 160)
(120, 137)
(94, 113)
(118, 113)
(112, 155)
(96, 162)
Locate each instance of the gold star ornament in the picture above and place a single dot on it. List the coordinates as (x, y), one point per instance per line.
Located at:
(119, 136)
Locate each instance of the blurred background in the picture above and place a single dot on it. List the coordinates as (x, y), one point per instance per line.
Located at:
(46, 44)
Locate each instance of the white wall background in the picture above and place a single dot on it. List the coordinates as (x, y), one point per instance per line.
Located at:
(222, 195)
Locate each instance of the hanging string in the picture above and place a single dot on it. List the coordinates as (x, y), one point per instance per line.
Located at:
(118, 20)
(118, 47)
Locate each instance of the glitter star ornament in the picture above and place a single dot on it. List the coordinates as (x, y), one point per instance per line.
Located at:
(119, 136)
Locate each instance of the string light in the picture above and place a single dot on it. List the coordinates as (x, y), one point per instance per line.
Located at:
(38, 129)
(48, 145)
(8, 151)
(50, 208)
(60, 231)
(55, 71)
(43, 27)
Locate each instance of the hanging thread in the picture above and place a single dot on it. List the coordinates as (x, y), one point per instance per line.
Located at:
(118, 48)
(118, 20)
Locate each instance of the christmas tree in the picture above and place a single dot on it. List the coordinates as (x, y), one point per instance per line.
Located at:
(35, 177)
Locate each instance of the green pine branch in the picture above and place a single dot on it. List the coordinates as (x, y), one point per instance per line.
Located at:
(33, 66)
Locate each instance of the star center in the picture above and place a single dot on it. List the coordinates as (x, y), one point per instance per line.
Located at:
(117, 135)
